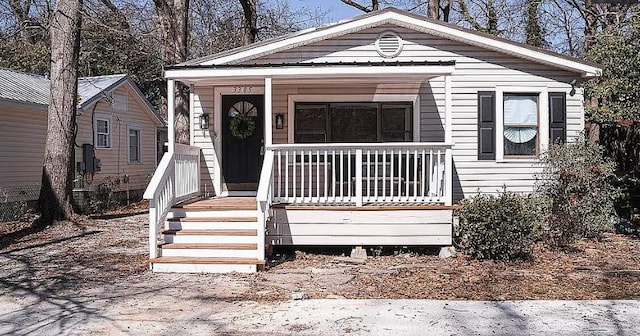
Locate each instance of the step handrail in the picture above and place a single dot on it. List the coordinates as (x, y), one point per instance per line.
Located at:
(263, 198)
(161, 196)
(176, 178)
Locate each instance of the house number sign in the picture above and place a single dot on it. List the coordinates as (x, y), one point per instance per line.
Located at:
(242, 89)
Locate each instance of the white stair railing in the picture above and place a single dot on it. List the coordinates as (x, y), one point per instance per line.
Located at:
(362, 173)
(177, 178)
(264, 199)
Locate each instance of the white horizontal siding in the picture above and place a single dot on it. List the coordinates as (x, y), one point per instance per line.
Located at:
(476, 70)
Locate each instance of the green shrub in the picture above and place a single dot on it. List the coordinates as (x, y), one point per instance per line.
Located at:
(502, 227)
(577, 177)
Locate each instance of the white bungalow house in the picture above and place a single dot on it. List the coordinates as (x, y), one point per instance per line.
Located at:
(367, 131)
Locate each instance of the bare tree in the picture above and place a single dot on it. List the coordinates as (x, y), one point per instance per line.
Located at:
(375, 5)
(250, 23)
(55, 202)
(173, 20)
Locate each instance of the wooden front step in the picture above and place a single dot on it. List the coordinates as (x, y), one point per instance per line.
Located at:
(222, 232)
(213, 219)
(223, 203)
(203, 260)
(210, 246)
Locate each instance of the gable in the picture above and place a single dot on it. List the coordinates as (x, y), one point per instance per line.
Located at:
(121, 86)
(416, 47)
(393, 17)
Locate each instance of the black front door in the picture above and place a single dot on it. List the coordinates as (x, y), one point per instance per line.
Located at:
(242, 140)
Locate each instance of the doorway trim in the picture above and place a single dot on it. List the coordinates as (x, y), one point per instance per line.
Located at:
(218, 92)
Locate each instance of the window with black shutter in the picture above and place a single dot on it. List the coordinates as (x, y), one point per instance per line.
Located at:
(557, 117)
(486, 125)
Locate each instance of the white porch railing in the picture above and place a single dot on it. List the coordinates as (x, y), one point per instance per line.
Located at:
(177, 178)
(362, 173)
(264, 199)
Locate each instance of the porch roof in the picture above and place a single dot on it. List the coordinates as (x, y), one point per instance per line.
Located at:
(344, 70)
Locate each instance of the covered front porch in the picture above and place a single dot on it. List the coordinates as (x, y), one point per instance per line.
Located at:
(336, 153)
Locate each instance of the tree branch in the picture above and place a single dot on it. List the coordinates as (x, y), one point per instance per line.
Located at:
(359, 6)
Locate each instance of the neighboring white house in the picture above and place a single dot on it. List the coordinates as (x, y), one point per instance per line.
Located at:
(363, 132)
(113, 117)
(23, 129)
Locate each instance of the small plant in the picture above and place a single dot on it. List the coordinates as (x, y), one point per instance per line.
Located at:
(578, 178)
(103, 198)
(502, 227)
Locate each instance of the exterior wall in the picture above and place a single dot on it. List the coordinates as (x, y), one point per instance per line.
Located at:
(476, 70)
(388, 227)
(23, 132)
(114, 160)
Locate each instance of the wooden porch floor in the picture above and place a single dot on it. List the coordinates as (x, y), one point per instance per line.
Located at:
(249, 203)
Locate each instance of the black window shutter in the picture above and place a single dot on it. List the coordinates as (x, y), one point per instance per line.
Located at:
(486, 125)
(557, 117)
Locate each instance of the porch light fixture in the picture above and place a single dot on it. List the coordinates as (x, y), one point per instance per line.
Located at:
(204, 121)
(279, 121)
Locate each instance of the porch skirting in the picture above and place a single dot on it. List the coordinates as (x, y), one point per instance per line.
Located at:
(400, 226)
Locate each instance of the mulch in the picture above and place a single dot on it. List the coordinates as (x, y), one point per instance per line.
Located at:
(589, 270)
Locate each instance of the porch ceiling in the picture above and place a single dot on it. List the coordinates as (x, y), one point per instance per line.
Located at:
(382, 72)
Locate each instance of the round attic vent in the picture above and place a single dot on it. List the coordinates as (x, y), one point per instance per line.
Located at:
(389, 44)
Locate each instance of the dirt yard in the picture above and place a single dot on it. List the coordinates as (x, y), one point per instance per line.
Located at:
(97, 255)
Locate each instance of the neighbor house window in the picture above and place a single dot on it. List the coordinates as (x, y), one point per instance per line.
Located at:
(103, 132)
(134, 145)
(353, 122)
(521, 130)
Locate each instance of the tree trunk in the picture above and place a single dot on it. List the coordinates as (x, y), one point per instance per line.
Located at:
(433, 7)
(533, 30)
(174, 28)
(56, 196)
(250, 26)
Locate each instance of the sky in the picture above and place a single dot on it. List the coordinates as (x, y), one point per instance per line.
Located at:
(334, 9)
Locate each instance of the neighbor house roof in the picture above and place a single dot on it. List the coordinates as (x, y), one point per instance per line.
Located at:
(403, 19)
(22, 87)
(34, 89)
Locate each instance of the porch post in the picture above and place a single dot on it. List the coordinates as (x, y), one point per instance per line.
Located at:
(448, 138)
(171, 115)
(268, 113)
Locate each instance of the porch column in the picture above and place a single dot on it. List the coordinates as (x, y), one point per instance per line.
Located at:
(268, 113)
(171, 115)
(448, 138)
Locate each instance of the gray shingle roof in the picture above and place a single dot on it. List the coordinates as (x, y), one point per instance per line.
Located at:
(23, 87)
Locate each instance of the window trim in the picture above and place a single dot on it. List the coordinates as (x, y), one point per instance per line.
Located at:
(543, 121)
(376, 98)
(129, 129)
(109, 120)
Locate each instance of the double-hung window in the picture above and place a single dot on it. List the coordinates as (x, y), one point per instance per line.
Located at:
(521, 130)
(134, 145)
(102, 132)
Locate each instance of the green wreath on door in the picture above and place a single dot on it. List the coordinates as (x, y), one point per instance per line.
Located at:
(243, 124)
